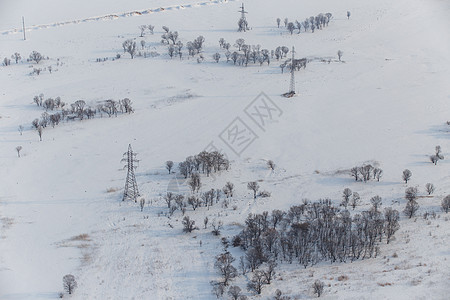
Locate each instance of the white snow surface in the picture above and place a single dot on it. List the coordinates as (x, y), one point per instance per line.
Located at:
(61, 212)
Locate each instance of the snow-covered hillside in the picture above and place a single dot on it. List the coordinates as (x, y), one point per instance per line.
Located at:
(386, 103)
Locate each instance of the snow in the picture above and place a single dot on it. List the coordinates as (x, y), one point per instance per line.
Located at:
(387, 104)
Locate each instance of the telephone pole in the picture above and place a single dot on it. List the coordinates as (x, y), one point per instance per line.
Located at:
(23, 28)
(131, 191)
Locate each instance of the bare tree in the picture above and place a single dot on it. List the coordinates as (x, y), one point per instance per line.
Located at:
(224, 265)
(278, 22)
(194, 182)
(411, 208)
(234, 292)
(239, 43)
(348, 15)
(216, 227)
(354, 172)
(150, 28)
(218, 288)
(69, 283)
(20, 129)
(169, 197)
(169, 165)
(257, 282)
(269, 271)
(318, 287)
(18, 148)
(291, 27)
(16, 56)
(429, 188)
(406, 175)
(39, 130)
(340, 53)
(228, 189)
(142, 203)
(355, 200)
(253, 186)
(346, 194)
(271, 164)
(216, 57)
(376, 202)
(36, 56)
(130, 47)
(142, 28)
(286, 21)
(142, 44)
(411, 193)
(205, 221)
(391, 217)
(445, 204)
(188, 224)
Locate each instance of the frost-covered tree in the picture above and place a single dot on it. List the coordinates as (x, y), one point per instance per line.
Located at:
(142, 28)
(16, 56)
(253, 186)
(169, 166)
(278, 22)
(429, 188)
(69, 283)
(318, 287)
(445, 204)
(339, 54)
(376, 202)
(18, 148)
(406, 175)
(411, 208)
(239, 43)
(234, 292)
(391, 217)
(291, 27)
(216, 57)
(168, 198)
(150, 28)
(257, 282)
(36, 56)
(224, 265)
(411, 193)
(188, 225)
(346, 194)
(130, 47)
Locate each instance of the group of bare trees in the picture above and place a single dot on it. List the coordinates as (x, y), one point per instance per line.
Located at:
(437, 156)
(311, 23)
(34, 56)
(366, 172)
(57, 111)
(205, 162)
(314, 232)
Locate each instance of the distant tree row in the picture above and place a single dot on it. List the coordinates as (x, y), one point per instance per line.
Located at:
(311, 23)
(204, 162)
(366, 173)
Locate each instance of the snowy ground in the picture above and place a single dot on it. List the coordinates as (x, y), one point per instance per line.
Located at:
(387, 104)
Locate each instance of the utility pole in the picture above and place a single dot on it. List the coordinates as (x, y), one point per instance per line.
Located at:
(131, 189)
(23, 28)
(291, 92)
(243, 24)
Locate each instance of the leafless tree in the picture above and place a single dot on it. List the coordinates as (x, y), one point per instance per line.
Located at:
(169, 197)
(20, 129)
(286, 22)
(16, 56)
(354, 172)
(142, 203)
(69, 283)
(346, 194)
(216, 57)
(228, 189)
(169, 165)
(278, 22)
(355, 200)
(239, 43)
(446, 204)
(150, 28)
(253, 186)
(269, 271)
(130, 47)
(18, 148)
(376, 202)
(188, 225)
(429, 188)
(217, 226)
(218, 288)
(205, 221)
(411, 208)
(348, 15)
(339, 54)
(271, 164)
(318, 287)
(391, 217)
(195, 182)
(234, 292)
(194, 201)
(142, 28)
(224, 265)
(39, 130)
(142, 44)
(36, 56)
(406, 175)
(411, 193)
(257, 282)
(291, 27)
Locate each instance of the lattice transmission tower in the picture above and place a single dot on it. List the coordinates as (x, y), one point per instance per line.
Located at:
(131, 191)
(291, 92)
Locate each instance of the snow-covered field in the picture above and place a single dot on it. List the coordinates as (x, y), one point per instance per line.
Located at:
(61, 212)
